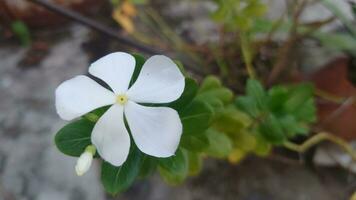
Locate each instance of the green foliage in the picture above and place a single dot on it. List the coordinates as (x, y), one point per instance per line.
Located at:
(190, 90)
(239, 127)
(230, 119)
(195, 143)
(73, 138)
(262, 147)
(174, 169)
(140, 60)
(148, 166)
(239, 14)
(21, 31)
(280, 113)
(196, 117)
(139, 2)
(195, 163)
(337, 41)
(255, 90)
(228, 132)
(216, 98)
(340, 14)
(213, 93)
(220, 144)
(118, 179)
(271, 129)
(353, 7)
(199, 137)
(136, 2)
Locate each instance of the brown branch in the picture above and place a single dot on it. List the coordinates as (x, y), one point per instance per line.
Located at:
(95, 25)
(285, 53)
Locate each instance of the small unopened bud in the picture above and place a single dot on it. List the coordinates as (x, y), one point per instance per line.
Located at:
(85, 160)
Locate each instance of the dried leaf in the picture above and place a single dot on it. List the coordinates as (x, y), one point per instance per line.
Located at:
(125, 21)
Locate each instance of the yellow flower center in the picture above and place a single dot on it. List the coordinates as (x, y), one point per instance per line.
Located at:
(121, 99)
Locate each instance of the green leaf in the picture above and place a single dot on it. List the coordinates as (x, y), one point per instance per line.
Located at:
(210, 82)
(220, 145)
(272, 130)
(213, 93)
(255, 9)
(73, 138)
(194, 142)
(115, 2)
(263, 147)
(307, 112)
(255, 90)
(148, 166)
(223, 94)
(277, 96)
(245, 140)
(139, 2)
(196, 117)
(353, 8)
(190, 91)
(195, 163)
(262, 26)
(337, 11)
(298, 96)
(174, 169)
(337, 41)
(20, 29)
(180, 66)
(231, 120)
(118, 179)
(248, 105)
(291, 126)
(215, 103)
(140, 60)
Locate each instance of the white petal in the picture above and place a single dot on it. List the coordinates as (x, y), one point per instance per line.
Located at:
(110, 136)
(160, 81)
(115, 69)
(80, 95)
(155, 130)
(83, 163)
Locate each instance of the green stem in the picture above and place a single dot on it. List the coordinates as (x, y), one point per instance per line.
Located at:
(316, 139)
(247, 55)
(91, 149)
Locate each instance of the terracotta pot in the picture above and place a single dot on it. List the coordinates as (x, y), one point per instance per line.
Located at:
(337, 118)
(36, 16)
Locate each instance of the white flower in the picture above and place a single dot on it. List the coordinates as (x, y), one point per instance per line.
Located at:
(155, 130)
(85, 160)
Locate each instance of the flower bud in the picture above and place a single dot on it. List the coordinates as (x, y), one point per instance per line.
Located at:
(85, 160)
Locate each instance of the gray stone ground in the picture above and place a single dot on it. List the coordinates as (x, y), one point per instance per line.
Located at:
(31, 168)
(30, 165)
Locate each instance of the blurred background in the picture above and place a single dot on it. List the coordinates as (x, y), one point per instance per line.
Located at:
(44, 42)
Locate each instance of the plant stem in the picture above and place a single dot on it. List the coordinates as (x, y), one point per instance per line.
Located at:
(70, 14)
(247, 55)
(330, 97)
(316, 139)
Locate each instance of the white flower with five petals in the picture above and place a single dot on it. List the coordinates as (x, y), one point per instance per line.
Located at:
(155, 130)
